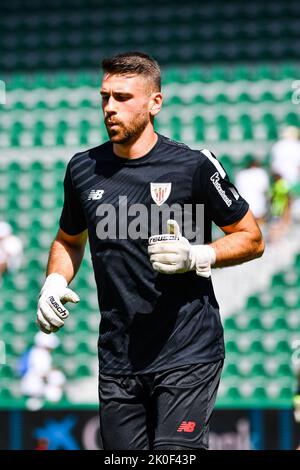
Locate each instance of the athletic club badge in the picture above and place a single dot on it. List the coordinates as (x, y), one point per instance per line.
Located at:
(160, 192)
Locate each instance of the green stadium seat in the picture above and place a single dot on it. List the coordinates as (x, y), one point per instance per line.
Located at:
(86, 104)
(14, 169)
(245, 98)
(59, 166)
(283, 346)
(263, 72)
(222, 98)
(176, 127)
(233, 393)
(17, 81)
(19, 105)
(6, 394)
(60, 131)
(172, 76)
(292, 119)
(8, 327)
(87, 79)
(82, 371)
(7, 372)
(199, 128)
(175, 100)
(254, 324)
(285, 370)
(230, 323)
(241, 72)
(280, 324)
(254, 303)
(271, 132)
(258, 370)
(222, 125)
(198, 99)
(38, 133)
(16, 132)
(286, 394)
(232, 347)
(267, 96)
(83, 347)
(231, 370)
(195, 75)
(260, 393)
(289, 71)
(83, 326)
(257, 347)
(63, 105)
(219, 74)
(278, 280)
(36, 168)
(246, 125)
(41, 80)
(278, 301)
(41, 105)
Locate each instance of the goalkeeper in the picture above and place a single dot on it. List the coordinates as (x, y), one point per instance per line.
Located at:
(161, 346)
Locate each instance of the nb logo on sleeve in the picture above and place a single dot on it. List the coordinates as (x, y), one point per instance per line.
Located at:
(95, 194)
(187, 426)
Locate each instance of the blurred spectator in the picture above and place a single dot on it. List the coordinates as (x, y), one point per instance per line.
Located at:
(280, 205)
(253, 184)
(285, 156)
(40, 380)
(10, 249)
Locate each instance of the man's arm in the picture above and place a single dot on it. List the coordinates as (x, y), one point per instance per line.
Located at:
(64, 260)
(242, 242)
(66, 254)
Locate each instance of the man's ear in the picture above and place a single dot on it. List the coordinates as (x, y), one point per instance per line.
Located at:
(155, 103)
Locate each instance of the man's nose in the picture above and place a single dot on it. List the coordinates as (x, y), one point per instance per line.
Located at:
(110, 107)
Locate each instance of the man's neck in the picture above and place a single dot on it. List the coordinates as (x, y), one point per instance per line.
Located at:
(139, 148)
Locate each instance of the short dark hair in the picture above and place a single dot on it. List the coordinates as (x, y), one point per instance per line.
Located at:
(134, 63)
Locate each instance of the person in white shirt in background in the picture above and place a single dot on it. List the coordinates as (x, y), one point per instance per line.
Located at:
(41, 380)
(253, 184)
(11, 249)
(285, 155)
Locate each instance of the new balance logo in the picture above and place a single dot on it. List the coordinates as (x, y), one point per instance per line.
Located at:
(187, 426)
(95, 194)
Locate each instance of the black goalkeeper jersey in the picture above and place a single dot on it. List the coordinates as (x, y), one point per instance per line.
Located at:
(149, 321)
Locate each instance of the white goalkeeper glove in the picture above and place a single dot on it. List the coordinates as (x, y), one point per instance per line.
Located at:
(172, 253)
(51, 312)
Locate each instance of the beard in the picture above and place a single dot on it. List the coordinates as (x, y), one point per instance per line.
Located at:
(126, 134)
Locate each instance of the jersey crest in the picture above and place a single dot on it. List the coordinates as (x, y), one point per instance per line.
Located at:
(160, 192)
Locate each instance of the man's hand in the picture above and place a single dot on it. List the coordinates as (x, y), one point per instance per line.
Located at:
(51, 312)
(178, 255)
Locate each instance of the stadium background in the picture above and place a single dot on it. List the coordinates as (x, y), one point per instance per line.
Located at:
(228, 77)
